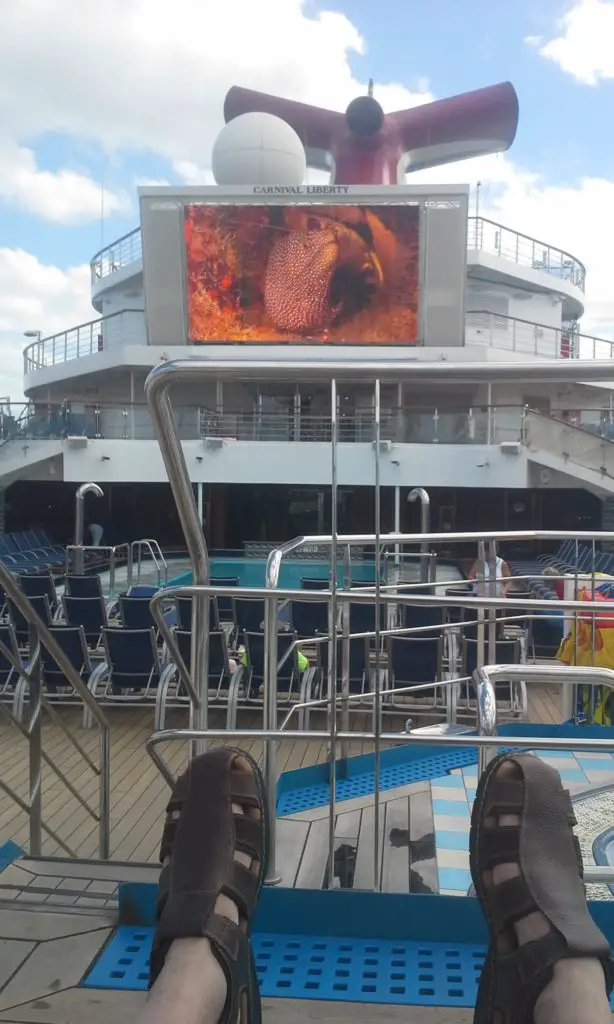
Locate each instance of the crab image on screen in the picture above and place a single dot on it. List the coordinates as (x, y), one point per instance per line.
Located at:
(336, 275)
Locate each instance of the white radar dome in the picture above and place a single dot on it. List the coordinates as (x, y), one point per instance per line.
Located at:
(258, 149)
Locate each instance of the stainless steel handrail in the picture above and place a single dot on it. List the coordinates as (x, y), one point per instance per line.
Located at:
(151, 545)
(483, 742)
(43, 635)
(113, 550)
(484, 677)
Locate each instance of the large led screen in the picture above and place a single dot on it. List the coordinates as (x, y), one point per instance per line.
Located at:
(314, 274)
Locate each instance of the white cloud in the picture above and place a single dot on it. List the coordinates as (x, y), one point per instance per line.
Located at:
(584, 46)
(63, 197)
(36, 297)
(152, 74)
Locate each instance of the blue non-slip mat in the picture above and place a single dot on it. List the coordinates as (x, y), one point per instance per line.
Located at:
(363, 784)
(315, 967)
(8, 853)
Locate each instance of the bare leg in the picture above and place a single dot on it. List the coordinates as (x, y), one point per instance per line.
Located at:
(192, 986)
(577, 993)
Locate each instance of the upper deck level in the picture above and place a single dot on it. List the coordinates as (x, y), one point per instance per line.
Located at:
(494, 252)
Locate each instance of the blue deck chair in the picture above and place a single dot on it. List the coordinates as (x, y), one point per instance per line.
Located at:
(248, 614)
(82, 586)
(41, 586)
(360, 675)
(225, 608)
(130, 673)
(309, 617)
(171, 692)
(45, 542)
(89, 612)
(511, 698)
(249, 683)
(184, 614)
(135, 612)
(9, 674)
(71, 639)
(40, 604)
(412, 661)
(313, 583)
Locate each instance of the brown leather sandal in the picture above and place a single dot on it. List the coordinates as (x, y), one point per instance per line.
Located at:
(550, 882)
(201, 834)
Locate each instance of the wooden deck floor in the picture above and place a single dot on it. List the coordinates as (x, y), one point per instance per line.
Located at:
(138, 792)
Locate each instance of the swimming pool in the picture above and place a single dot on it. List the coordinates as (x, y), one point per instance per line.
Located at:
(250, 572)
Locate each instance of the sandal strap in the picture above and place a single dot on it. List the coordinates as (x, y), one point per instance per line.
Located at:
(248, 836)
(242, 886)
(505, 796)
(510, 901)
(243, 788)
(499, 845)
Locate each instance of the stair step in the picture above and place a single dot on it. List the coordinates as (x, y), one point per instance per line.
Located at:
(62, 884)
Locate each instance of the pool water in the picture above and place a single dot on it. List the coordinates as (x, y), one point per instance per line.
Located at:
(250, 572)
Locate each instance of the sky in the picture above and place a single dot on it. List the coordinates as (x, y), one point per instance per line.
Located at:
(97, 98)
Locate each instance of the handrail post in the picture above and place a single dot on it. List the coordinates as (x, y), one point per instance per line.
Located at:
(104, 794)
(36, 746)
(487, 716)
(345, 649)
(157, 388)
(419, 493)
(270, 722)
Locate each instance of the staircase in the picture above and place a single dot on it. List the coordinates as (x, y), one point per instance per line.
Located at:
(572, 450)
(67, 886)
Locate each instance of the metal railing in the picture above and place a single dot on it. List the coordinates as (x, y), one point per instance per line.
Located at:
(33, 731)
(158, 390)
(512, 334)
(482, 327)
(482, 234)
(120, 253)
(112, 554)
(491, 237)
(141, 548)
(126, 327)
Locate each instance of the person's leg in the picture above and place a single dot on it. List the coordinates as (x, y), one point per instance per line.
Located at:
(215, 839)
(547, 960)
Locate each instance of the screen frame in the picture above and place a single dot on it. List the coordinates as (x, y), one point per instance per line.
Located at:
(173, 200)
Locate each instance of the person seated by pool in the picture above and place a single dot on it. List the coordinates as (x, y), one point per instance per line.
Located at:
(547, 961)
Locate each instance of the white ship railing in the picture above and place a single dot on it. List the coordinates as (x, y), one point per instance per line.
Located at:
(120, 253)
(123, 328)
(488, 236)
(506, 333)
(483, 234)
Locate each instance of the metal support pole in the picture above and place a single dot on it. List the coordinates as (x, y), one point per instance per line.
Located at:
(158, 398)
(333, 651)
(270, 722)
(420, 494)
(487, 716)
(345, 649)
(36, 746)
(84, 489)
(377, 706)
(481, 574)
(491, 591)
(397, 523)
(199, 501)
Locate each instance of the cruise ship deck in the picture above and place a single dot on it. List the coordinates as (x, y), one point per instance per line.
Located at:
(56, 916)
